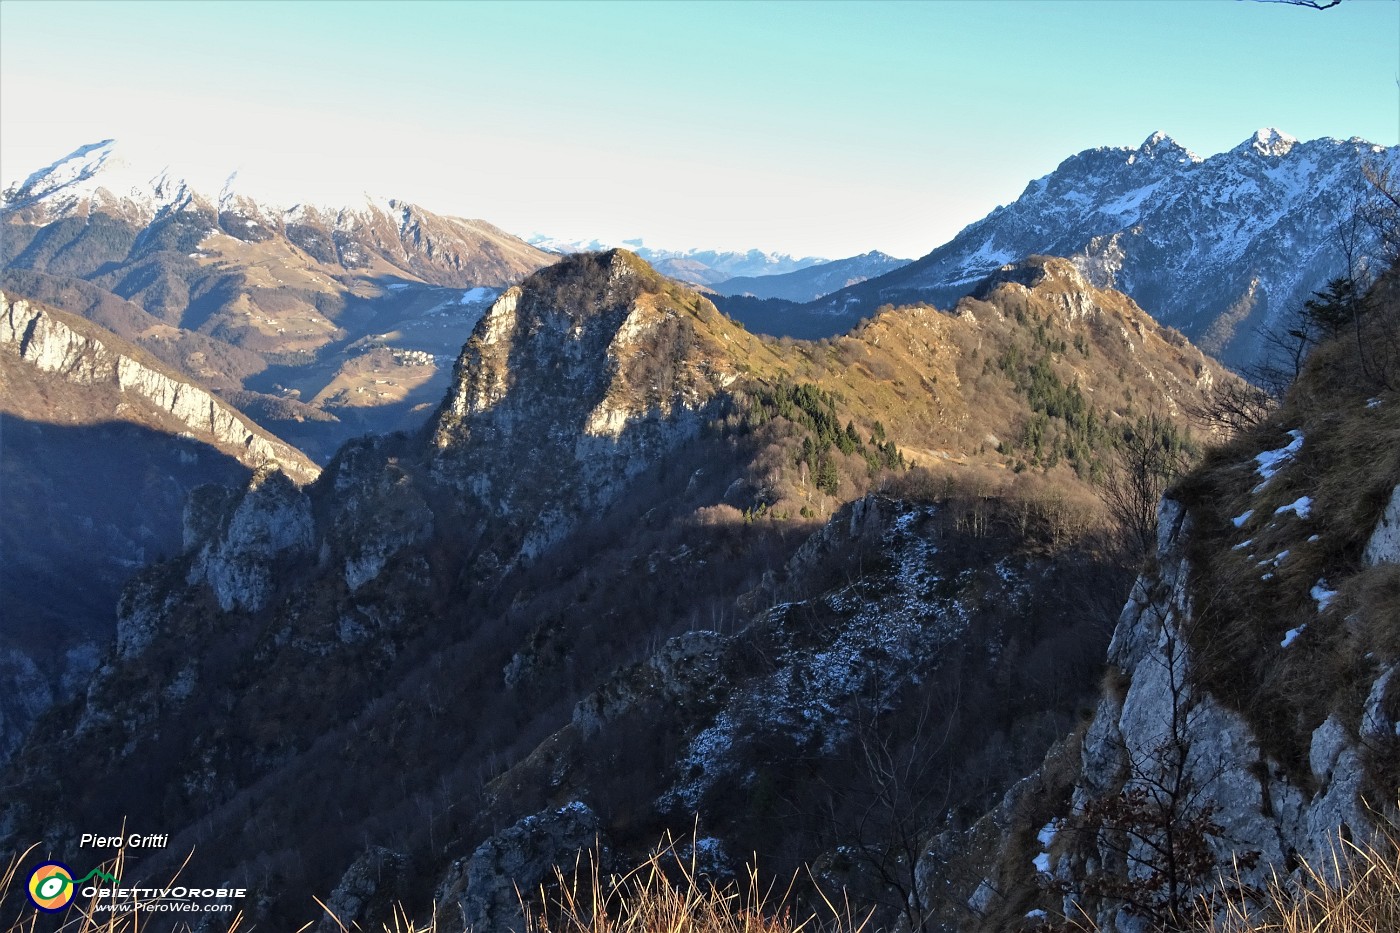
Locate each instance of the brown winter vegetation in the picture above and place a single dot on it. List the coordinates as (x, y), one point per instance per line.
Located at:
(1260, 566)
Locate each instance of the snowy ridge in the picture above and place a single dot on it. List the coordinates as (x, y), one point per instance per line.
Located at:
(99, 172)
(104, 174)
(366, 234)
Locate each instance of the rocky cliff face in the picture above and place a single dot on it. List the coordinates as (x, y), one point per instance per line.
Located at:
(101, 447)
(629, 377)
(53, 344)
(1166, 733)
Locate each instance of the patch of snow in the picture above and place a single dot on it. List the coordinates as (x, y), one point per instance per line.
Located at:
(1373, 402)
(1045, 837)
(1271, 461)
(1125, 208)
(1243, 544)
(476, 295)
(1036, 914)
(1239, 520)
(1291, 635)
(1323, 595)
(1302, 507)
(887, 626)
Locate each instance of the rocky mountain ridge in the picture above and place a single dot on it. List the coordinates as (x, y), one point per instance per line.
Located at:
(615, 465)
(53, 342)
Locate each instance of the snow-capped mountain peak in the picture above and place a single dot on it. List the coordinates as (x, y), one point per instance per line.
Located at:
(1161, 146)
(99, 171)
(1268, 142)
(106, 173)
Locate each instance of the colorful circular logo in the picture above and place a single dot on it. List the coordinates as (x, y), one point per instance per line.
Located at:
(51, 886)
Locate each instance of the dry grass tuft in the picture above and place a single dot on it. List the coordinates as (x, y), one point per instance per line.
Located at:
(1368, 901)
(667, 893)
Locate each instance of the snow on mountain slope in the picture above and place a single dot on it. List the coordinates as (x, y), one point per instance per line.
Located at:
(364, 235)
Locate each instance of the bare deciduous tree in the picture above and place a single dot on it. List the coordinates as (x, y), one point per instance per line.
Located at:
(1310, 4)
(1148, 460)
(1232, 406)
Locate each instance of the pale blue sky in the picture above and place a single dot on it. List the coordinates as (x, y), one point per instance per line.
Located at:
(826, 127)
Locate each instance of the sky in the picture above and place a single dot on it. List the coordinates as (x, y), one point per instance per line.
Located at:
(813, 128)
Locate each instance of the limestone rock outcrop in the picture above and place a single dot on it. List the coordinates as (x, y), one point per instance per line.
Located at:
(53, 344)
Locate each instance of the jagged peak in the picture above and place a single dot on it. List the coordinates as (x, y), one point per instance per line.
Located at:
(1161, 146)
(581, 284)
(1267, 141)
(81, 163)
(99, 165)
(150, 183)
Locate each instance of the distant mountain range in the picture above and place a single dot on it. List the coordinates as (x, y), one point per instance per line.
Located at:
(812, 282)
(693, 266)
(1218, 248)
